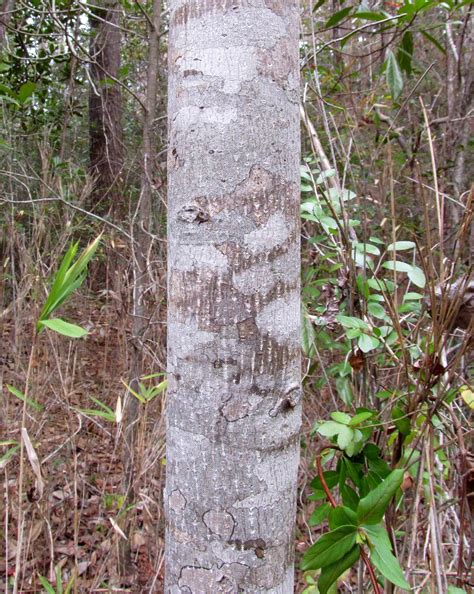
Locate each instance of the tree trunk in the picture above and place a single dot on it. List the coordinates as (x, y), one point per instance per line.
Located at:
(233, 413)
(141, 248)
(5, 16)
(105, 107)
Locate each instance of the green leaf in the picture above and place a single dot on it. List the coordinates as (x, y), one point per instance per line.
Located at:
(417, 276)
(64, 328)
(46, 585)
(23, 398)
(376, 310)
(455, 590)
(330, 573)
(371, 508)
(401, 245)
(352, 322)
(331, 478)
(329, 548)
(26, 90)
(345, 437)
(68, 278)
(349, 497)
(319, 514)
(433, 40)
(367, 343)
(344, 389)
(360, 418)
(369, 16)
(402, 422)
(92, 412)
(397, 266)
(367, 248)
(329, 428)
(394, 75)
(412, 296)
(383, 559)
(405, 52)
(338, 16)
(340, 417)
(341, 516)
(7, 456)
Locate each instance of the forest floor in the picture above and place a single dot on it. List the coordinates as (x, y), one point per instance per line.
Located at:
(74, 509)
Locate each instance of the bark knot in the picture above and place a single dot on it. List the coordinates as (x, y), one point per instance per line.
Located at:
(193, 214)
(287, 402)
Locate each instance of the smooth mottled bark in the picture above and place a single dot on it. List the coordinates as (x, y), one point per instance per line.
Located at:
(234, 307)
(105, 106)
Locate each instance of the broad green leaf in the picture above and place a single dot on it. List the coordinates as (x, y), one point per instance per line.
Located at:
(64, 328)
(330, 573)
(376, 310)
(393, 75)
(330, 428)
(360, 418)
(367, 343)
(367, 248)
(341, 516)
(467, 395)
(402, 422)
(349, 497)
(345, 437)
(338, 16)
(331, 478)
(384, 560)
(331, 547)
(319, 514)
(23, 398)
(344, 389)
(381, 285)
(412, 296)
(405, 52)
(401, 245)
(371, 508)
(340, 417)
(369, 16)
(417, 276)
(382, 556)
(26, 90)
(397, 266)
(346, 195)
(324, 175)
(328, 222)
(352, 322)
(378, 536)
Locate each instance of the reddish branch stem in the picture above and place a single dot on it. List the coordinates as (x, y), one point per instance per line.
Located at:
(332, 501)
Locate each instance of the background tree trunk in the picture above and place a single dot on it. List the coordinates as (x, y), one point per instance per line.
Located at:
(6, 9)
(234, 305)
(105, 106)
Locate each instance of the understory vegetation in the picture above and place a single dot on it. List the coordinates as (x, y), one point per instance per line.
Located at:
(387, 473)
